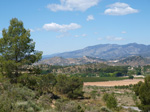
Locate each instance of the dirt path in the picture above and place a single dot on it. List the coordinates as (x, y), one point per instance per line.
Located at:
(113, 83)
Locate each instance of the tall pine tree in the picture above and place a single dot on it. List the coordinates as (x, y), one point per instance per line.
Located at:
(16, 49)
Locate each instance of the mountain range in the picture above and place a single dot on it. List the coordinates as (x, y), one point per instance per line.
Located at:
(107, 51)
(132, 54)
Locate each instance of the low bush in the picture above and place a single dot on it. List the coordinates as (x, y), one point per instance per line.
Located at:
(110, 100)
(70, 86)
(105, 109)
(68, 106)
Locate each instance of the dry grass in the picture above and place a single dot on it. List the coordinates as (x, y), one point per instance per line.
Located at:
(113, 83)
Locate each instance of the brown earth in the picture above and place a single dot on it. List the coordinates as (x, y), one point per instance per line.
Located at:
(114, 83)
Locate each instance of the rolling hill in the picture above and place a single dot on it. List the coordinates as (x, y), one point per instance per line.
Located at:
(132, 61)
(71, 61)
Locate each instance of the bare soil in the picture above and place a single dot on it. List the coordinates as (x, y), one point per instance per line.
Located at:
(114, 83)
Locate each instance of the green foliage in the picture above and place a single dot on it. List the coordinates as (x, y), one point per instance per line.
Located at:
(45, 101)
(41, 83)
(117, 70)
(31, 81)
(125, 87)
(93, 94)
(44, 84)
(105, 96)
(143, 91)
(47, 83)
(131, 76)
(71, 86)
(16, 49)
(138, 70)
(6, 104)
(137, 87)
(87, 70)
(28, 106)
(105, 109)
(98, 79)
(10, 94)
(70, 106)
(131, 72)
(110, 100)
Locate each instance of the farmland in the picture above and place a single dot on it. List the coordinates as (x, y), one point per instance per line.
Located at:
(114, 83)
(101, 79)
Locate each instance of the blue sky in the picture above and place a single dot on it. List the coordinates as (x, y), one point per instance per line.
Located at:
(65, 25)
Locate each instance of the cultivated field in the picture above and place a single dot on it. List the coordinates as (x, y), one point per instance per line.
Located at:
(113, 83)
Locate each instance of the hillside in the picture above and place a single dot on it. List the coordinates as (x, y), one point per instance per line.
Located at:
(70, 61)
(133, 61)
(129, 61)
(107, 51)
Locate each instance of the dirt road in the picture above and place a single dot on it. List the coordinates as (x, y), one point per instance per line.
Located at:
(113, 83)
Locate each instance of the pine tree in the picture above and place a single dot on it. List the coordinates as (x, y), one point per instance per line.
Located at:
(16, 49)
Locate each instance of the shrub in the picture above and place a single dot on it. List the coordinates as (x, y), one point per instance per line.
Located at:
(131, 76)
(105, 96)
(42, 83)
(28, 106)
(6, 104)
(70, 86)
(110, 100)
(31, 81)
(93, 94)
(46, 83)
(105, 109)
(143, 91)
(68, 106)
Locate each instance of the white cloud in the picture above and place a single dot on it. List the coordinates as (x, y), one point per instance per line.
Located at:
(77, 36)
(36, 29)
(112, 38)
(31, 30)
(61, 28)
(120, 9)
(64, 34)
(95, 33)
(83, 35)
(100, 38)
(0, 31)
(90, 17)
(124, 32)
(73, 5)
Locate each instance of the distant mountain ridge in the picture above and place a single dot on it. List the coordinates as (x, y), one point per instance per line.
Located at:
(108, 51)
